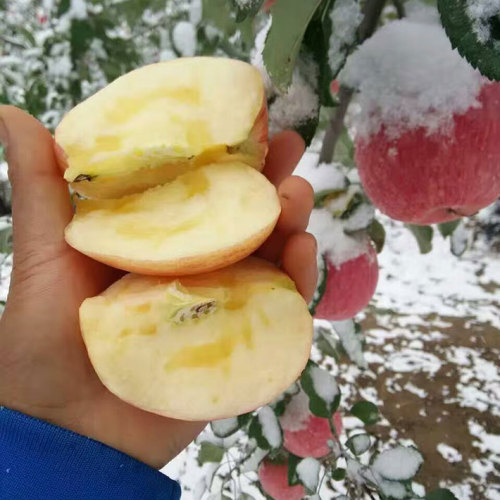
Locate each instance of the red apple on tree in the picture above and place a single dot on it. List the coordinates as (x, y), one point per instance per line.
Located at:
(427, 135)
(305, 434)
(274, 481)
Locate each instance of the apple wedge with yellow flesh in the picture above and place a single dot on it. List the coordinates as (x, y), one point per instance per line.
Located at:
(156, 122)
(199, 347)
(205, 219)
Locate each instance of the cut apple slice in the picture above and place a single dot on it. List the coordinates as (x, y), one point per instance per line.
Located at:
(203, 220)
(163, 120)
(199, 347)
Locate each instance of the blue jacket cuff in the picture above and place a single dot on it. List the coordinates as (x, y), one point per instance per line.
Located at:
(41, 461)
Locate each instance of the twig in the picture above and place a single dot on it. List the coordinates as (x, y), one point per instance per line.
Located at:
(12, 42)
(372, 12)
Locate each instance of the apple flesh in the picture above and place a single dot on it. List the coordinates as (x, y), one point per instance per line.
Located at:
(273, 479)
(349, 286)
(201, 221)
(159, 121)
(425, 179)
(200, 347)
(312, 439)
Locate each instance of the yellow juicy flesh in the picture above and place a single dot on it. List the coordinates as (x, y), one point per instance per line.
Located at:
(236, 326)
(162, 114)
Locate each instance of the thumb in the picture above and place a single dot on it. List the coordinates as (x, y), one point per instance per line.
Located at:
(41, 205)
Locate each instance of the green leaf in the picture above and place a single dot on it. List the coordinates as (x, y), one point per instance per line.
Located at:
(219, 14)
(248, 9)
(344, 149)
(293, 461)
(283, 42)
(264, 436)
(322, 389)
(447, 228)
(317, 42)
(482, 54)
(423, 235)
(441, 494)
(326, 343)
(210, 452)
(63, 7)
(338, 474)
(367, 412)
(359, 443)
(307, 129)
(376, 232)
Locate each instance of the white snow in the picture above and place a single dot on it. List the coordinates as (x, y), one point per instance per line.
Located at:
(322, 177)
(360, 218)
(392, 489)
(324, 384)
(346, 16)
(225, 426)
(480, 13)
(253, 462)
(399, 73)
(449, 453)
(296, 413)
(298, 105)
(398, 464)
(421, 393)
(184, 38)
(256, 56)
(270, 426)
(350, 341)
(332, 240)
(308, 473)
(487, 442)
(360, 443)
(195, 11)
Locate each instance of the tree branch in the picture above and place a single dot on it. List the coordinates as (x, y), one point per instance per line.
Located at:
(372, 12)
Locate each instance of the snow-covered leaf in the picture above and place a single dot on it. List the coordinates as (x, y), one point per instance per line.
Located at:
(322, 389)
(398, 464)
(210, 452)
(366, 411)
(290, 19)
(473, 28)
(308, 473)
(441, 494)
(326, 343)
(376, 232)
(361, 217)
(251, 464)
(345, 19)
(359, 443)
(423, 235)
(447, 228)
(225, 427)
(459, 240)
(266, 430)
(352, 341)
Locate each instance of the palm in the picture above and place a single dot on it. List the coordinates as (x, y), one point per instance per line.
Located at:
(45, 369)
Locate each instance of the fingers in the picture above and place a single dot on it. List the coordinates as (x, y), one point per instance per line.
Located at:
(299, 262)
(297, 200)
(285, 151)
(41, 206)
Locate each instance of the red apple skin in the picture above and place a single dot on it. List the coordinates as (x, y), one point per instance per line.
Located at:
(274, 481)
(267, 5)
(312, 441)
(427, 179)
(349, 287)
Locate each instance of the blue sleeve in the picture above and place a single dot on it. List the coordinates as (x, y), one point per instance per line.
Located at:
(40, 461)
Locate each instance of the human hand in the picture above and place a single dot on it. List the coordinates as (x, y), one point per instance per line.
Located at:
(44, 368)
